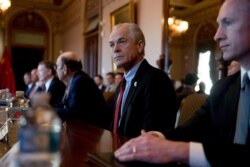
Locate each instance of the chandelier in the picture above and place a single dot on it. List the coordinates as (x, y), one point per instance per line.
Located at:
(4, 5)
(177, 26)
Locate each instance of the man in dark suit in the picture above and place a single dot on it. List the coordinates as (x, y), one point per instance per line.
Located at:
(99, 82)
(51, 84)
(149, 100)
(28, 84)
(83, 100)
(34, 86)
(212, 137)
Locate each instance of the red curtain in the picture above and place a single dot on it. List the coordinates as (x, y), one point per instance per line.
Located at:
(7, 78)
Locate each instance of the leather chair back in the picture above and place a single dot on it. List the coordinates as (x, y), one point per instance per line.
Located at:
(189, 105)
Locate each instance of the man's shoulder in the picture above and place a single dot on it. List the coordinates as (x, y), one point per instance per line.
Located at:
(150, 69)
(82, 78)
(226, 84)
(57, 81)
(228, 80)
(80, 73)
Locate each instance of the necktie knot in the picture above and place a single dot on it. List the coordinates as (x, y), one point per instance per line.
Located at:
(123, 84)
(246, 81)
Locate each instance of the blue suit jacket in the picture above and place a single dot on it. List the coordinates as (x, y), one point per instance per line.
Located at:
(84, 102)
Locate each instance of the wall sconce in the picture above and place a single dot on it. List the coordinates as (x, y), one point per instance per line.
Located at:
(177, 26)
(4, 5)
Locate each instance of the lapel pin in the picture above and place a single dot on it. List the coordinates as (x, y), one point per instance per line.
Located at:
(135, 83)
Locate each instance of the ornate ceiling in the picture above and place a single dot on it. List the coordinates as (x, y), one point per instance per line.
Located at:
(179, 8)
(43, 4)
(185, 8)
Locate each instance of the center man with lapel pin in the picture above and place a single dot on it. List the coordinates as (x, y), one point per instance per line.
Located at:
(148, 101)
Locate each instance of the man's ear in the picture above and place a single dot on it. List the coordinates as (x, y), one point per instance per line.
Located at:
(50, 71)
(141, 45)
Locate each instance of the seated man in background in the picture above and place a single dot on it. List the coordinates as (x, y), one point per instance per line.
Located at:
(99, 82)
(118, 77)
(35, 83)
(51, 84)
(149, 100)
(111, 85)
(28, 84)
(218, 133)
(83, 100)
(202, 88)
(188, 87)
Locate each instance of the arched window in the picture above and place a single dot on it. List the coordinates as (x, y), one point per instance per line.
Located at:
(205, 61)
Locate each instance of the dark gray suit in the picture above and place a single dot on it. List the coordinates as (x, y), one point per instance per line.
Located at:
(151, 102)
(214, 125)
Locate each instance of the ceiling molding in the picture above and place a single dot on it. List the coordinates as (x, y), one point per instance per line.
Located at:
(186, 8)
(42, 4)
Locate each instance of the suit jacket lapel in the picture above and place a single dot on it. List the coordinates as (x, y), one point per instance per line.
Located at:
(135, 83)
(232, 107)
(51, 84)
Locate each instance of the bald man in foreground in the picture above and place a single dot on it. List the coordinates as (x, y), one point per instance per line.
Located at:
(82, 100)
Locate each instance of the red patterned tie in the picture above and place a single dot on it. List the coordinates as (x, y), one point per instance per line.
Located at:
(118, 105)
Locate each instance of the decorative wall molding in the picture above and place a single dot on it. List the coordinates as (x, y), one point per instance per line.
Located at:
(73, 15)
(106, 2)
(31, 21)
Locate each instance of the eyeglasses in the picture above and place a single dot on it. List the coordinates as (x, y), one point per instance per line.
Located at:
(57, 67)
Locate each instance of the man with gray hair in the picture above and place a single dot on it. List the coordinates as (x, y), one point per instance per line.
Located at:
(148, 100)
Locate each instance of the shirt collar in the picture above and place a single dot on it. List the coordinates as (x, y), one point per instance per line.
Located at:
(131, 73)
(30, 85)
(47, 84)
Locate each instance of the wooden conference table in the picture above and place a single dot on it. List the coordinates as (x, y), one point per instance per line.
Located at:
(79, 140)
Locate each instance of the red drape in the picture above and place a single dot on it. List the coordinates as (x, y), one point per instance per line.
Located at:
(7, 78)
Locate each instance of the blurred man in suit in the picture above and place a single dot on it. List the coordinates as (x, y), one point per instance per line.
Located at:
(51, 84)
(149, 100)
(35, 83)
(118, 77)
(111, 85)
(188, 88)
(202, 88)
(28, 84)
(83, 100)
(215, 135)
(99, 82)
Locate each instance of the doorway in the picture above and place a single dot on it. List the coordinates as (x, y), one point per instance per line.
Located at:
(91, 54)
(24, 60)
